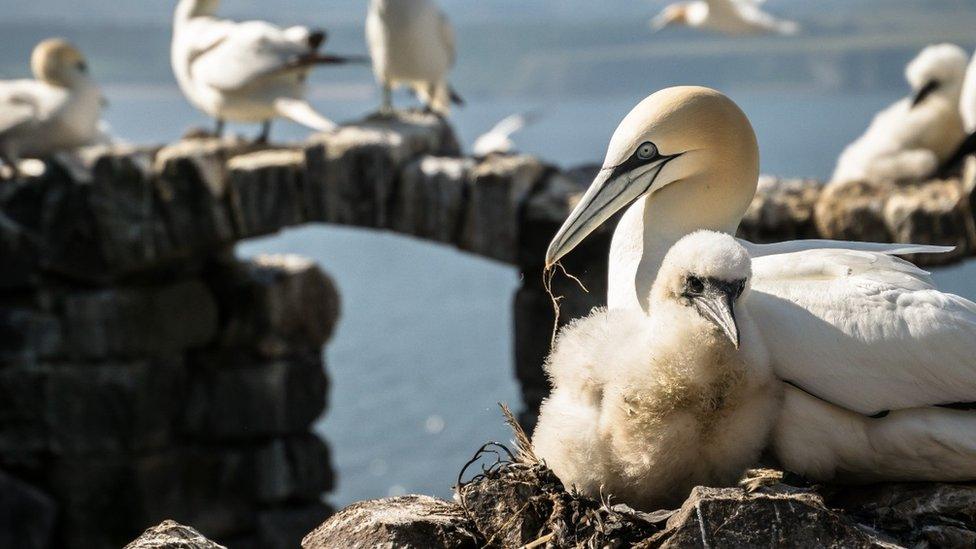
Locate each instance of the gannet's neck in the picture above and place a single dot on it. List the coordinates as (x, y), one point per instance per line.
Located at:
(653, 224)
(188, 9)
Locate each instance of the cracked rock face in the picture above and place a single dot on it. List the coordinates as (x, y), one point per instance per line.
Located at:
(172, 535)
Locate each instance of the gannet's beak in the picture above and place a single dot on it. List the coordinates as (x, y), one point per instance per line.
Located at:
(613, 189)
(717, 303)
(926, 90)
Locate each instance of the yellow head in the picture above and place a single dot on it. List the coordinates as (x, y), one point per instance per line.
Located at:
(58, 62)
(687, 147)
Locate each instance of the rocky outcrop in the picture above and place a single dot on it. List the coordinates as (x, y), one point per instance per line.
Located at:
(517, 504)
(172, 535)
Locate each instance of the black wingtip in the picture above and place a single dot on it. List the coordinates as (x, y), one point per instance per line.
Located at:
(456, 98)
(951, 164)
(316, 38)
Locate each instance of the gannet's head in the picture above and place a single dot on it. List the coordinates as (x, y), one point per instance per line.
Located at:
(59, 63)
(708, 272)
(685, 146)
(941, 67)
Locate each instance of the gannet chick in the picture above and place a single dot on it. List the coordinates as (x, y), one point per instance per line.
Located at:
(411, 43)
(246, 72)
(732, 17)
(909, 139)
(56, 111)
(645, 407)
(498, 140)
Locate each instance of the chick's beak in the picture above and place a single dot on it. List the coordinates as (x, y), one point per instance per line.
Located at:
(717, 304)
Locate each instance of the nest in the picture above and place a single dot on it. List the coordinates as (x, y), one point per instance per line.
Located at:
(514, 500)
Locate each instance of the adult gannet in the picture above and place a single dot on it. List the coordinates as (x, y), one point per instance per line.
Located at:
(498, 140)
(251, 71)
(844, 321)
(646, 406)
(412, 44)
(909, 139)
(733, 17)
(58, 110)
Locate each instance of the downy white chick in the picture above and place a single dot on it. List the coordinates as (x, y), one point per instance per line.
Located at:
(646, 406)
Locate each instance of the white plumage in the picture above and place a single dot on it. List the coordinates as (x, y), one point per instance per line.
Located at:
(411, 43)
(251, 71)
(57, 111)
(909, 139)
(498, 140)
(645, 407)
(844, 321)
(733, 17)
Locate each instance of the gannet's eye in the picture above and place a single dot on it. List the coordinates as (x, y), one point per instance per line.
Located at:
(82, 66)
(646, 151)
(694, 285)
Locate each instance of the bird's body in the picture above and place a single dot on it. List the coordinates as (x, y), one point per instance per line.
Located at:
(909, 139)
(58, 110)
(731, 17)
(247, 72)
(844, 321)
(645, 407)
(411, 43)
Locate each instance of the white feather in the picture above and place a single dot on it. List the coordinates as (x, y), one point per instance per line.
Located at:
(498, 140)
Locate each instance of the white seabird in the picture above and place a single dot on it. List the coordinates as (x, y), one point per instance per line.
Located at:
(646, 406)
(732, 17)
(57, 111)
(844, 321)
(250, 71)
(411, 43)
(498, 140)
(911, 138)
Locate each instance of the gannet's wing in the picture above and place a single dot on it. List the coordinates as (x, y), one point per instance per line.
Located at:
(497, 139)
(724, 7)
(790, 246)
(864, 330)
(17, 109)
(249, 51)
(751, 12)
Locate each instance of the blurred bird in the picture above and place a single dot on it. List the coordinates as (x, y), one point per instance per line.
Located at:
(56, 111)
(498, 140)
(967, 109)
(845, 322)
(645, 407)
(732, 17)
(246, 72)
(911, 138)
(411, 43)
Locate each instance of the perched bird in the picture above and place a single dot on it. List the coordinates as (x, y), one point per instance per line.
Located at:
(967, 109)
(733, 17)
(498, 140)
(845, 322)
(246, 72)
(57, 111)
(411, 43)
(911, 138)
(646, 406)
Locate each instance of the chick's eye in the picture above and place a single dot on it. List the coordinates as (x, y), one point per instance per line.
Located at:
(694, 285)
(646, 151)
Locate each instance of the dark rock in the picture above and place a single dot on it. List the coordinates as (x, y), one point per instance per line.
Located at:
(284, 528)
(27, 515)
(499, 188)
(138, 321)
(275, 304)
(172, 535)
(936, 212)
(237, 397)
(853, 211)
(266, 191)
(430, 200)
(781, 210)
(28, 335)
(71, 409)
(778, 516)
(418, 522)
